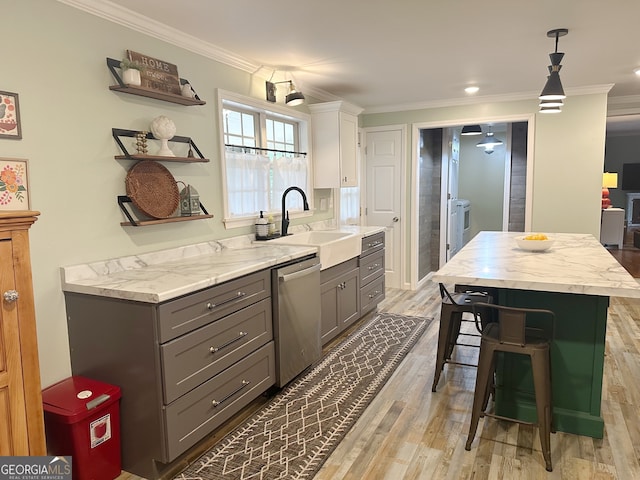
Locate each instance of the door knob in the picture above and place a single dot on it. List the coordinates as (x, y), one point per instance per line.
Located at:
(396, 219)
(10, 295)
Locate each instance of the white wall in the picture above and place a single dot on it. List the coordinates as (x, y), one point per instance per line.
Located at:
(569, 161)
(482, 183)
(54, 58)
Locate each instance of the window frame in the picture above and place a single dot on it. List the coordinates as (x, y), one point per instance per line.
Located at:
(262, 109)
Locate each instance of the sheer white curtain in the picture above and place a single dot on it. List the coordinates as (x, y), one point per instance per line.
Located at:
(350, 206)
(247, 183)
(289, 172)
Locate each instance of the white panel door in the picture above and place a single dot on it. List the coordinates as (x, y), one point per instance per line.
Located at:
(383, 158)
(452, 140)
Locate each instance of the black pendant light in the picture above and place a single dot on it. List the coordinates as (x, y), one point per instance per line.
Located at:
(553, 88)
(489, 141)
(471, 130)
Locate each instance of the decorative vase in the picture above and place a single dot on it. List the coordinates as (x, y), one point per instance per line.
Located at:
(131, 76)
(163, 129)
(187, 91)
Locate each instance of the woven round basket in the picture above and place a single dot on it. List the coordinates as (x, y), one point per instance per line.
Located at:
(152, 189)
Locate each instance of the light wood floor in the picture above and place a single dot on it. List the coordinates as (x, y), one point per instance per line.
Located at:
(408, 432)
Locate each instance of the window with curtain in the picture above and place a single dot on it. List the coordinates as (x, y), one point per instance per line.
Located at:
(261, 160)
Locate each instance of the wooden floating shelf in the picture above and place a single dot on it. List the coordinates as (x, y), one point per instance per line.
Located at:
(123, 199)
(167, 97)
(114, 68)
(162, 158)
(120, 132)
(166, 220)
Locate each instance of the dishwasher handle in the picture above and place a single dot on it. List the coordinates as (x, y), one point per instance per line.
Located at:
(301, 273)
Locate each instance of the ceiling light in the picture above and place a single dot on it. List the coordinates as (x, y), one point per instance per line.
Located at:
(472, 89)
(292, 99)
(553, 88)
(550, 109)
(471, 130)
(637, 71)
(489, 141)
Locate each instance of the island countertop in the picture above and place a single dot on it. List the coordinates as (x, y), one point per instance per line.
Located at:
(575, 263)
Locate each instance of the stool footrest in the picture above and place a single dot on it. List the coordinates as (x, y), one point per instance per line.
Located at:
(509, 419)
(453, 362)
(467, 345)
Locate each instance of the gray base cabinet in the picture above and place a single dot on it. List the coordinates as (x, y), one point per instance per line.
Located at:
(184, 366)
(340, 299)
(371, 265)
(353, 288)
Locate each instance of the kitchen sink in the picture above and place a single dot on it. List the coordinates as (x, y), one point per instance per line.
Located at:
(333, 247)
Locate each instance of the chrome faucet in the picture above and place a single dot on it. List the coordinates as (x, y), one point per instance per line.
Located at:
(285, 214)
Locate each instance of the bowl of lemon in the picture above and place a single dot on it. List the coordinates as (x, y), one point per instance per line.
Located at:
(534, 242)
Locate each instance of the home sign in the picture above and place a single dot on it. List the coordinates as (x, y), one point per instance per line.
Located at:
(157, 74)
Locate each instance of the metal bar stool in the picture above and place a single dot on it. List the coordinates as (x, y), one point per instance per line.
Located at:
(508, 333)
(452, 307)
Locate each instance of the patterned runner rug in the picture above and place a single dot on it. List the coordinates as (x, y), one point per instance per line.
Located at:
(292, 436)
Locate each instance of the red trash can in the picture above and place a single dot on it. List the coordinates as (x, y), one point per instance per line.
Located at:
(82, 419)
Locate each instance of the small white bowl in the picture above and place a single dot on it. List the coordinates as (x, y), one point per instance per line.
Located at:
(534, 245)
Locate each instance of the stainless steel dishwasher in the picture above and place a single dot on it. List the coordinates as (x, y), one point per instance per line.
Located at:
(296, 317)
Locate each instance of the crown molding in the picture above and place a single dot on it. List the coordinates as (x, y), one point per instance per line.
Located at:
(142, 24)
(623, 105)
(476, 100)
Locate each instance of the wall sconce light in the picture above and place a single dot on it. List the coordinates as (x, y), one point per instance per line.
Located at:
(553, 88)
(293, 98)
(471, 130)
(609, 180)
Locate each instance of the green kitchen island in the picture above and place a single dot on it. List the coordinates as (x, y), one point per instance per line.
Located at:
(575, 278)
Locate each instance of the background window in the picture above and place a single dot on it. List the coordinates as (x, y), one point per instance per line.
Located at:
(257, 177)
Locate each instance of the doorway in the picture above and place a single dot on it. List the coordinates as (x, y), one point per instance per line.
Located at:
(462, 189)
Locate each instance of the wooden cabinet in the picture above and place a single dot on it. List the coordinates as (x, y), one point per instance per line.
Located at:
(340, 298)
(371, 265)
(185, 366)
(334, 127)
(21, 415)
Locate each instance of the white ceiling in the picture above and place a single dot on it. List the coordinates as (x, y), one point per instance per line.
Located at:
(383, 55)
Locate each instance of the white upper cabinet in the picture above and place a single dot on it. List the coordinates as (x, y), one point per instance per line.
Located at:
(334, 127)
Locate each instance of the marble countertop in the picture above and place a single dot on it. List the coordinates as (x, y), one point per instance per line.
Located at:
(163, 275)
(575, 263)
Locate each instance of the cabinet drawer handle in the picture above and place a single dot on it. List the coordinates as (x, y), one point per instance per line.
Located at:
(374, 294)
(211, 306)
(374, 244)
(374, 266)
(215, 403)
(239, 337)
(11, 295)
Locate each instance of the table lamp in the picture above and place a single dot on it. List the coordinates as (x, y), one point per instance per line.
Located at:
(609, 180)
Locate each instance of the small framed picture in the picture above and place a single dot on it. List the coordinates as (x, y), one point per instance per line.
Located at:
(14, 184)
(10, 116)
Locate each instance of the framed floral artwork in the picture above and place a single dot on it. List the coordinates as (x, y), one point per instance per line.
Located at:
(14, 184)
(10, 116)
